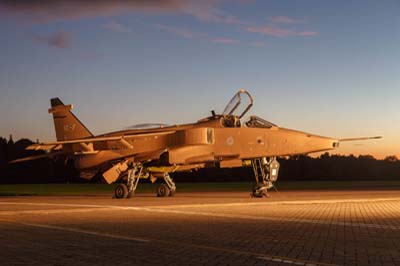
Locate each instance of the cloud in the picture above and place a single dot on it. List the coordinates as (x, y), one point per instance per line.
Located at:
(186, 33)
(280, 32)
(209, 13)
(307, 33)
(55, 10)
(115, 26)
(60, 39)
(257, 44)
(285, 20)
(229, 41)
(58, 10)
(225, 41)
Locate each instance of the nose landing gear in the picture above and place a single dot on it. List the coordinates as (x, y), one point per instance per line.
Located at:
(266, 173)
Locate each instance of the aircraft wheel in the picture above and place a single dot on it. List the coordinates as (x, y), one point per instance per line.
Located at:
(121, 191)
(256, 193)
(259, 193)
(130, 194)
(163, 190)
(172, 193)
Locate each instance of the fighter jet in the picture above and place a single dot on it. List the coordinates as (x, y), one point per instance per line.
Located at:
(220, 140)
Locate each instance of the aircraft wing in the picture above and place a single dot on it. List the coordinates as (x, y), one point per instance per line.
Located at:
(52, 146)
(44, 147)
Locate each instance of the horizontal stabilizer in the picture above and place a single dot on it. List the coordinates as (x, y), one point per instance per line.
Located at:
(361, 138)
(36, 157)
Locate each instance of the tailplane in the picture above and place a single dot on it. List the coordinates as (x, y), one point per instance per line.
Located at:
(67, 125)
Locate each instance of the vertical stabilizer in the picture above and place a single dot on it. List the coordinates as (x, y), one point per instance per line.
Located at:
(67, 125)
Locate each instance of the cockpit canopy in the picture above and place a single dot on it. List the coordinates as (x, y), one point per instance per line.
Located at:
(255, 121)
(239, 105)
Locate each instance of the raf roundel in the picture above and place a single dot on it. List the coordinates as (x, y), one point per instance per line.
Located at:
(230, 141)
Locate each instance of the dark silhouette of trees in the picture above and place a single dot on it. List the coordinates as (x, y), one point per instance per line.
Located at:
(3, 149)
(44, 170)
(299, 167)
(339, 167)
(391, 158)
(10, 150)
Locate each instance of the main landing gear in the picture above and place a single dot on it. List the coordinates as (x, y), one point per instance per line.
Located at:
(127, 190)
(167, 188)
(266, 173)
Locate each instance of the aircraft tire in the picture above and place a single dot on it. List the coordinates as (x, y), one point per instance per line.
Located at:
(130, 194)
(121, 191)
(163, 190)
(256, 193)
(172, 193)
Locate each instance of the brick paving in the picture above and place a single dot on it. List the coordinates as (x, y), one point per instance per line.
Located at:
(317, 230)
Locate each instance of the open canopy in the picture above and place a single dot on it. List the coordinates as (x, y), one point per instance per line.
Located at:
(240, 104)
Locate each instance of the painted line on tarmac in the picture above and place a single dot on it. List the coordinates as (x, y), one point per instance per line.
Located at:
(209, 214)
(75, 208)
(278, 260)
(264, 203)
(287, 202)
(53, 211)
(74, 205)
(276, 219)
(294, 261)
(54, 204)
(87, 232)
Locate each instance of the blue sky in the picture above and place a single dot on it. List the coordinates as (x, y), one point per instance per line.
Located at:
(327, 67)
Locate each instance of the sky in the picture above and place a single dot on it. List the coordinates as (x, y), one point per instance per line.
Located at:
(326, 67)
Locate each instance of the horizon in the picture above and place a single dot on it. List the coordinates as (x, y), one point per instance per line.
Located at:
(325, 68)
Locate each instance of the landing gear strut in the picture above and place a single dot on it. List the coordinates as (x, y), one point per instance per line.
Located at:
(266, 173)
(128, 190)
(167, 188)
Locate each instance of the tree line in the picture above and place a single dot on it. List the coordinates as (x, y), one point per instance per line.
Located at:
(302, 167)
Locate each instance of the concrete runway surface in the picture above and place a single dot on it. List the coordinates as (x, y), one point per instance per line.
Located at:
(218, 228)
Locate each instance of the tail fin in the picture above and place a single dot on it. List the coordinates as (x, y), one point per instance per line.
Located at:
(67, 126)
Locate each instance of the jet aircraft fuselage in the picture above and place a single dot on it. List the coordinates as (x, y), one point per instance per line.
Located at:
(222, 140)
